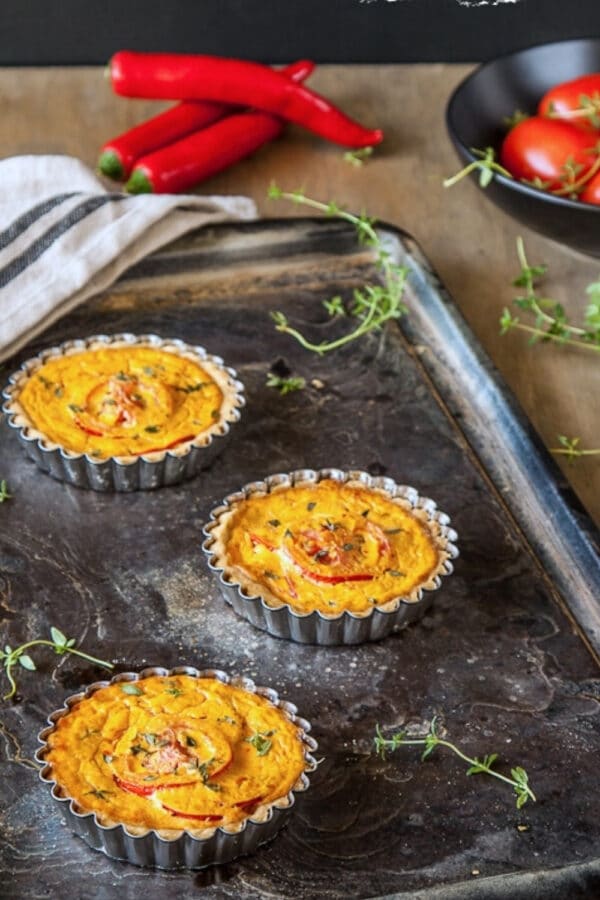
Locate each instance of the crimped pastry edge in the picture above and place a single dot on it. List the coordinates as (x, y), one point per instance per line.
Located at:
(179, 848)
(257, 604)
(125, 473)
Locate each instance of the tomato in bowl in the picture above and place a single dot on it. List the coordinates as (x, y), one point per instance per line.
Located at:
(476, 118)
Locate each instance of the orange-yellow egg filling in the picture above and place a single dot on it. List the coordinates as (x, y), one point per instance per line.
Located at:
(329, 547)
(175, 752)
(121, 401)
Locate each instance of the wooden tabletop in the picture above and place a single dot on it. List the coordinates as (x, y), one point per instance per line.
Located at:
(469, 242)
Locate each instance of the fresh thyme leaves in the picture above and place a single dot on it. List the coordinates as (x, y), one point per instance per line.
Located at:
(137, 748)
(261, 742)
(174, 691)
(191, 388)
(357, 158)
(152, 429)
(518, 781)
(275, 523)
(75, 408)
(573, 177)
(285, 385)
(129, 688)
(486, 165)
(101, 794)
(203, 768)
(335, 306)
(373, 304)
(310, 506)
(59, 643)
(227, 719)
(4, 495)
(550, 320)
(570, 448)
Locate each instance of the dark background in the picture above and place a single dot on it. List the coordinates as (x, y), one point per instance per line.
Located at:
(88, 31)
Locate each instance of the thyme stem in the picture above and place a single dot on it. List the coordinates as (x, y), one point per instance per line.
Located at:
(551, 322)
(373, 304)
(59, 643)
(519, 781)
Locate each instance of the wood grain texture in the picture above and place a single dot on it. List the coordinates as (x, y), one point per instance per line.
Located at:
(469, 241)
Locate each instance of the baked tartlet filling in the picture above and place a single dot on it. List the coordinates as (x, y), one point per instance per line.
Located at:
(327, 546)
(123, 401)
(175, 752)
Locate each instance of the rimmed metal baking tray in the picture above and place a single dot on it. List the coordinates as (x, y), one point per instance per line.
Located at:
(504, 656)
(282, 621)
(178, 848)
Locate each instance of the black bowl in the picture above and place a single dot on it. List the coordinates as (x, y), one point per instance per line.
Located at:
(475, 119)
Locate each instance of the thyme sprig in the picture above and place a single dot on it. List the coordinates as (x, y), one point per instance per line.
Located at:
(570, 448)
(550, 320)
(4, 495)
(589, 108)
(358, 157)
(486, 165)
(59, 643)
(373, 304)
(285, 385)
(573, 176)
(261, 742)
(519, 780)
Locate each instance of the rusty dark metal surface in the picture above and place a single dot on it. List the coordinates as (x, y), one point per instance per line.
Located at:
(498, 657)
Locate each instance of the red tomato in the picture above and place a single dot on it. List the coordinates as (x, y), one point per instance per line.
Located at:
(591, 192)
(547, 151)
(577, 102)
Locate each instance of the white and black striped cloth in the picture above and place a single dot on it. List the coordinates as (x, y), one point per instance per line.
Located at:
(63, 237)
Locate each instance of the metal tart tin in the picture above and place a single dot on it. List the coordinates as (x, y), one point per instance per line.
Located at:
(123, 473)
(179, 849)
(280, 620)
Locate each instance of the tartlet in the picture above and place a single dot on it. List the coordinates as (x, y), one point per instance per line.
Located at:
(123, 412)
(329, 557)
(176, 768)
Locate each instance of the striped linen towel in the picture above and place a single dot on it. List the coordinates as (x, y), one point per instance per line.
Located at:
(63, 237)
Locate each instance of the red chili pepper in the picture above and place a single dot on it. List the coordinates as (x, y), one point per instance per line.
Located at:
(87, 429)
(334, 579)
(292, 587)
(244, 804)
(341, 578)
(140, 789)
(177, 812)
(145, 790)
(168, 76)
(256, 539)
(118, 155)
(198, 156)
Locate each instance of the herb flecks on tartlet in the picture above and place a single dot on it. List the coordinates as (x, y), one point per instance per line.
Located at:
(175, 752)
(122, 401)
(328, 546)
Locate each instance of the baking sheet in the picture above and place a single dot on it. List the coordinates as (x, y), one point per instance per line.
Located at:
(506, 656)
